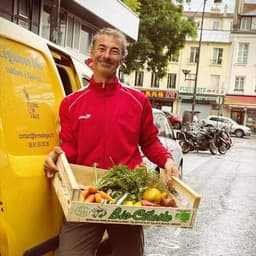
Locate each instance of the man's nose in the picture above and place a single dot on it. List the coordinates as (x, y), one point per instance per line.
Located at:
(107, 53)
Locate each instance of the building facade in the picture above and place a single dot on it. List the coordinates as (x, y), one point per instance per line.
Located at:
(240, 98)
(226, 78)
(70, 23)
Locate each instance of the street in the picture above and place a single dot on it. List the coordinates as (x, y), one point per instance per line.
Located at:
(226, 221)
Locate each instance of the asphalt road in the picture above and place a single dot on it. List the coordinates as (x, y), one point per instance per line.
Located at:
(226, 221)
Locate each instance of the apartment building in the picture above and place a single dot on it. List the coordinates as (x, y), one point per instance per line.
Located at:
(211, 77)
(175, 91)
(226, 78)
(240, 98)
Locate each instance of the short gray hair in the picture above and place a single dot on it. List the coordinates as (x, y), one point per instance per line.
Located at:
(115, 33)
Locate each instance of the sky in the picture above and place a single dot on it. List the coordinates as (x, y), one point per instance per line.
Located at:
(197, 5)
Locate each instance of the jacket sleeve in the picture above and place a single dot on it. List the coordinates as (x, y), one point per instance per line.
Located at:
(150, 144)
(67, 139)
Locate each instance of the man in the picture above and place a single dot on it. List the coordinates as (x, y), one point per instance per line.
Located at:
(105, 123)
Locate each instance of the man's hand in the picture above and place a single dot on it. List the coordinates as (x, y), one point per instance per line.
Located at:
(50, 162)
(171, 170)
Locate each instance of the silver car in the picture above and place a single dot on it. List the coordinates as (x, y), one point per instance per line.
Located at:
(168, 139)
(226, 122)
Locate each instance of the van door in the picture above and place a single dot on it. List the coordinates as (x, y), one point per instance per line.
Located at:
(30, 91)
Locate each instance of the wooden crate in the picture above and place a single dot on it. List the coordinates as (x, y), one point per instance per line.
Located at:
(67, 183)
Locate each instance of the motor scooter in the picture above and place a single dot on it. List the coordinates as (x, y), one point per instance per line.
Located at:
(222, 140)
(199, 140)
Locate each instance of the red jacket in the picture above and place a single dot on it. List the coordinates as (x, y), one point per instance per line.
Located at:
(105, 125)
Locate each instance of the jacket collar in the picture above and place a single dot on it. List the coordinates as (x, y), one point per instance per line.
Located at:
(105, 86)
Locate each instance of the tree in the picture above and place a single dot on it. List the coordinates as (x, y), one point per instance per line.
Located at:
(162, 32)
(134, 5)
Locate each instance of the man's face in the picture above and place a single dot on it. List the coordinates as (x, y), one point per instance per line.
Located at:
(106, 56)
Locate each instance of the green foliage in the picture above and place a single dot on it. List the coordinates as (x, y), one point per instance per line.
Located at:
(134, 5)
(120, 180)
(162, 32)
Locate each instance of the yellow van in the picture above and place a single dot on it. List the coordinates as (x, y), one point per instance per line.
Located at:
(34, 77)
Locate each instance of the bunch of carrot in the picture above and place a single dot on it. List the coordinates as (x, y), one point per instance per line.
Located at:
(92, 195)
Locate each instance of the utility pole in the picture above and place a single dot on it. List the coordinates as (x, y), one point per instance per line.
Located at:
(197, 64)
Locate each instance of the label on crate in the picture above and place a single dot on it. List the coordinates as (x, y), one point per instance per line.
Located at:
(93, 212)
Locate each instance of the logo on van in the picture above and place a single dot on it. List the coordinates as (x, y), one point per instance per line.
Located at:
(32, 107)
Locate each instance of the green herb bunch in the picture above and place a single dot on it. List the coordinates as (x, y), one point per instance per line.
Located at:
(120, 180)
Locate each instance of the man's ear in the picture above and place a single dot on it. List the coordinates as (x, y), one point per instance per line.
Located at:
(122, 64)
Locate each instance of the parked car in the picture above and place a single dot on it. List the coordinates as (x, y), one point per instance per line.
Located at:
(226, 122)
(168, 139)
(174, 120)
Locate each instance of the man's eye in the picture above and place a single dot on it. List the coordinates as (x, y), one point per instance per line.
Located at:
(115, 51)
(101, 49)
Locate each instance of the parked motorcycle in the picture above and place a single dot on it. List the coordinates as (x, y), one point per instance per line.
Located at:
(199, 140)
(222, 140)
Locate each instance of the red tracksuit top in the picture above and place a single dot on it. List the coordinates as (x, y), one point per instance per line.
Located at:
(105, 125)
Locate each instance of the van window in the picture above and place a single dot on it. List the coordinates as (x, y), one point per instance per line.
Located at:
(85, 81)
(67, 71)
(65, 80)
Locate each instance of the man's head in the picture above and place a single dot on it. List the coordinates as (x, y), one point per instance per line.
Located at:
(108, 49)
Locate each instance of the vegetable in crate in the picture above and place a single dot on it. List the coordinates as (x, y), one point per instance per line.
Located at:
(91, 194)
(121, 181)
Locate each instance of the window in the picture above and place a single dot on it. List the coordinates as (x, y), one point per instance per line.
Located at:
(245, 24)
(121, 75)
(215, 81)
(46, 23)
(70, 31)
(6, 9)
(24, 9)
(239, 83)
(155, 81)
(76, 35)
(171, 80)
(243, 49)
(63, 28)
(85, 38)
(216, 25)
(139, 76)
(217, 55)
(193, 55)
(162, 125)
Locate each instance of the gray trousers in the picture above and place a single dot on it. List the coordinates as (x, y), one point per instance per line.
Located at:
(82, 239)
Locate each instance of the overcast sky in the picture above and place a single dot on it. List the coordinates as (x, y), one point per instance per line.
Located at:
(197, 5)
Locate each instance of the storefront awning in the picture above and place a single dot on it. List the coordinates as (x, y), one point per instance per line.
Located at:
(240, 102)
(239, 99)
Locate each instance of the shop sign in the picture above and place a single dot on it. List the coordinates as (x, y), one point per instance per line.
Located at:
(160, 94)
(201, 90)
(198, 97)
